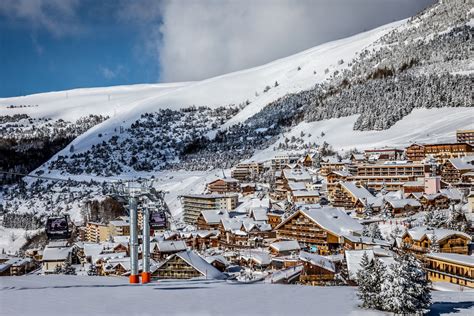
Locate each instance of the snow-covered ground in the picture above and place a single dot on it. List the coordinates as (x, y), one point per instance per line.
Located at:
(11, 239)
(80, 295)
(422, 125)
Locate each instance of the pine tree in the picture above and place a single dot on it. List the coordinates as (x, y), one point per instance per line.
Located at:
(92, 271)
(406, 288)
(369, 280)
(434, 246)
(68, 269)
(375, 232)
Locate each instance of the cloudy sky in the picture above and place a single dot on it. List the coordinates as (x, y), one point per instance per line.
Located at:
(48, 45)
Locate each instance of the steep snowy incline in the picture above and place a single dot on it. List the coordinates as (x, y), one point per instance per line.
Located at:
(421, 125)
(293, 74)
(76, 103)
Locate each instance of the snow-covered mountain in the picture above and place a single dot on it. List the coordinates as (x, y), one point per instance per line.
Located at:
(403, 82)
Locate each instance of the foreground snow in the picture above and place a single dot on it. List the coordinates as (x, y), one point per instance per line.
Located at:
(75, 295)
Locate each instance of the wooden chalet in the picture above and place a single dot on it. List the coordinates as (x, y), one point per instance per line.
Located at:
(159, 250)
(321, 229)
(226, 185)
(458, 171)
(441, 152)
(317, 270)
(186, 265)
(420, 240)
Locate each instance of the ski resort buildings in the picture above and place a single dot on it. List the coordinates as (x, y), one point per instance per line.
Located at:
(193, 204)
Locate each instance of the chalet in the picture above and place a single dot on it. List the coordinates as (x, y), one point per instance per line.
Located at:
(321, 229)
(193, 204)
(335, 177)
(309, 160)
(238, 233)
(186, 265)
(221, 186)
(437, 201)
(304, 196)
(210, 219)
(16, 266)
(254, 258)
(275, 217)
(259, 214)
(332, 164)
(218, 261)
(420, 240)
(456, 171)
(164, 248)
(285, 247)
(441, 152)
(349, 196)
(201, 239)
(317, 270)
(413, 186)
(248, 188)
(54, 257)
(401, 206)
(450, 267)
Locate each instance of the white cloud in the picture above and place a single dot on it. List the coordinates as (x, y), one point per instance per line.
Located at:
(200, 39)
(59, 17)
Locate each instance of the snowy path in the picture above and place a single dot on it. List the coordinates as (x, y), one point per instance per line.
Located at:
(75, 295)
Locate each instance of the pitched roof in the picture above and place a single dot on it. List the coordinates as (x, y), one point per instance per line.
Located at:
(333, 219)
(56, 253)
(464, 163)
(201, 265)
(297, 175)
(169, 245)
(418, 233)
(286, 245)
(318, 260)
(214, 216)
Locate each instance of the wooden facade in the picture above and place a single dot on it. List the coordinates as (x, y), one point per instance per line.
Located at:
(441, 152)
(456, 269)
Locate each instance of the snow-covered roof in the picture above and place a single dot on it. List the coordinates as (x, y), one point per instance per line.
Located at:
(218, 258)
(332, 219)
(296, 186)
(418, 233)
(56, 253)
(214, 216)
(360, 193)
(464, 163)
(318, 260)
(305, 193)
(367, 240)
(354, 258)
(401, 203)
(297, 175)
(286, 245)
(58, 243)
(201, 265)
(258, 256)
(259, 214)
(169, 245)
(453, 257)
(452, 193)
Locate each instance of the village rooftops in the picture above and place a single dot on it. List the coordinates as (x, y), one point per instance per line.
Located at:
(305, 193)
(297, 175)
(453, 257)
(214, 216)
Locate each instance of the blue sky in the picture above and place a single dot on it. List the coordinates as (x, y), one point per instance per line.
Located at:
(48, 45)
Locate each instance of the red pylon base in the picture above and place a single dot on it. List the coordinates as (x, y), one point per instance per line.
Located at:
(146, 277)
(134, 279)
